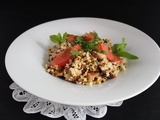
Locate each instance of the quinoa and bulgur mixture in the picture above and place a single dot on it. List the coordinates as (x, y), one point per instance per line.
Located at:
(85, 59)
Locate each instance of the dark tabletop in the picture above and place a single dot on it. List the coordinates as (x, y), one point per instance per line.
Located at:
(17, 17)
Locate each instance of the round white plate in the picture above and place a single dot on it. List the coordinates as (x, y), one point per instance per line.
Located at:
(26, 56)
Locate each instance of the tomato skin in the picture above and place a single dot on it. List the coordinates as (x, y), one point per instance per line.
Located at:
(63, 58)
(103, 47)
(77, 47)
(113, 58)
(109, 55)
(88, 37)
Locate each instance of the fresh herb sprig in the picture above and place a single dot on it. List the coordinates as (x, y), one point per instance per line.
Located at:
(119, 50)
(58, 39)
(90, 45)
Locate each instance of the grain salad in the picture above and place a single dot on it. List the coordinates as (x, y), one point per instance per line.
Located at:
(86, 59)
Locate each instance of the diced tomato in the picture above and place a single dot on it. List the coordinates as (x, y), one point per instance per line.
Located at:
(113, 58)
(103, 47)
(63, 58)
(77, 47)
(89, 37)
(110, 56)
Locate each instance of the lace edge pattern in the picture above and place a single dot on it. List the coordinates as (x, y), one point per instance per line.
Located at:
(50, 109)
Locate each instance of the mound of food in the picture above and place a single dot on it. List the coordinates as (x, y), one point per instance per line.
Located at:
(86, 59)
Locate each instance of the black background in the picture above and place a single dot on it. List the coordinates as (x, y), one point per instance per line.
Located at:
(17, 17)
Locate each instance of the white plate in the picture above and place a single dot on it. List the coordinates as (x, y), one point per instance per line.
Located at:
(27, 54)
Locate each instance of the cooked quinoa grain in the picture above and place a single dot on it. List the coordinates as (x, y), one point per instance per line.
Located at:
(87, 67)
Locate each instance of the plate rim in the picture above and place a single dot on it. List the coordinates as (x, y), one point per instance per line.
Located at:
(119, 22)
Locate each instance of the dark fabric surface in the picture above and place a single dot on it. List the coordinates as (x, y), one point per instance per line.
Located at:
(17, 17)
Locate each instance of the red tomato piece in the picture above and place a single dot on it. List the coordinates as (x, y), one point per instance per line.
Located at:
(103, 47)
(113, 58)
(89, 37)
(62, 58)
(110, 56)
(77, 47)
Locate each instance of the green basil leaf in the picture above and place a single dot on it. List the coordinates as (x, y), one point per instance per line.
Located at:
(58, 38)
(55, 39)
(64, 37)
(119, 47)
(127, 55)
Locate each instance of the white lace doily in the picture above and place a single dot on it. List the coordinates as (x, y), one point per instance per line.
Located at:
(55, 110)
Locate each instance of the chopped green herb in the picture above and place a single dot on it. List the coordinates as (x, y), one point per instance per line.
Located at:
(74, 53)
(58, 39)
(88, 46)
(91, 45)
(80, 40)
(119, 50)
(96, 35)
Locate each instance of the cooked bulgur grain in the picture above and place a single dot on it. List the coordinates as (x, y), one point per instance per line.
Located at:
(87, 67)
